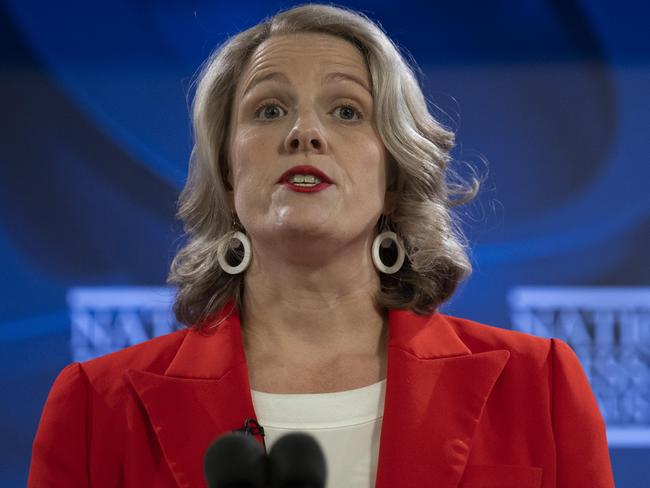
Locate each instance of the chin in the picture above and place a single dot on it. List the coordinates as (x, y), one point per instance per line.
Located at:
(302, 228)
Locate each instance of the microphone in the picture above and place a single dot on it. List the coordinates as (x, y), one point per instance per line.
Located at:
(235, 460)
(297, 461)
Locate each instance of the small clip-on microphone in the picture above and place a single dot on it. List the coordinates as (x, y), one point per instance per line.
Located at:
(253, 427)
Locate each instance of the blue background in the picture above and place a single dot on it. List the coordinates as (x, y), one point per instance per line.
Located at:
(94, 142)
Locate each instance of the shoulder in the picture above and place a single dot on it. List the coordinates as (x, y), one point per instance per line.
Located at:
(526, 350)
(153, 355)
(107, 374)
(79, 384)
(479, 337)
(532, 360)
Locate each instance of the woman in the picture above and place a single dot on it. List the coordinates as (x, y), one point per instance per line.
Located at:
(321, 244)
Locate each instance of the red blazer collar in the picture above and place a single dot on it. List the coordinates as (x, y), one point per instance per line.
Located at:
(435, 393)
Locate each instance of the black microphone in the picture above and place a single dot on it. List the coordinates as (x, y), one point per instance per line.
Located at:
(235, 460)
(297, 461)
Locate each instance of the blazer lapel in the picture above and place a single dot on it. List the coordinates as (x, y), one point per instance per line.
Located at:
(203, 393)
(435, 393)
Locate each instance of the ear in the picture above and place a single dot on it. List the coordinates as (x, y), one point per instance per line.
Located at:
(226, 174)
(390, 201)
(226, 178)
(392, 185)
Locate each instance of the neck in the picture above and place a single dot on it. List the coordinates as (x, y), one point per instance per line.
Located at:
(320, 310)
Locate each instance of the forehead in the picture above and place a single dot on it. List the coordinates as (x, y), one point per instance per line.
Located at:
(305, 55)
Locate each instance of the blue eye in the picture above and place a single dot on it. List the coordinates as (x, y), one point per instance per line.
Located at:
(269, 110)
(347, 112)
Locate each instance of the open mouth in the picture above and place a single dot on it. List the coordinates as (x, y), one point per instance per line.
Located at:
(306, 186)
(305, 179)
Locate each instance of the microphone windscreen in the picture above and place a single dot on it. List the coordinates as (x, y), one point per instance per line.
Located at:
(235, 461)
(297, 461)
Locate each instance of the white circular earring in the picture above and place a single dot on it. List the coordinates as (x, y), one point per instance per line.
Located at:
(376, 258)
(228, 243)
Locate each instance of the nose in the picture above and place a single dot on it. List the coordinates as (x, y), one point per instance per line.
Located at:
(305, 136)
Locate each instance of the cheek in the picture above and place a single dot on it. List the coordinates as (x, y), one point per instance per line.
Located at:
(253, 169)
(248, 152)
(372, 158)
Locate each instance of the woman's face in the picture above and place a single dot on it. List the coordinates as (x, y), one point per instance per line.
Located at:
(305, 99)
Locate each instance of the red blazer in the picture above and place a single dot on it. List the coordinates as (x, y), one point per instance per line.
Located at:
(466, 405)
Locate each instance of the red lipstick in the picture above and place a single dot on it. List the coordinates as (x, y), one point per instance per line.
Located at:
(305, 170)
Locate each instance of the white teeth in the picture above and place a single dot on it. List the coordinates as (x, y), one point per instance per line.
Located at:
(310, 179)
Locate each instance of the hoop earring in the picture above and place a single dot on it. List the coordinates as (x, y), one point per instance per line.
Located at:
(234, 235)
(376, 258)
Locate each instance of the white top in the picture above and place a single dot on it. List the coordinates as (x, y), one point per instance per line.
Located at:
(346, 424)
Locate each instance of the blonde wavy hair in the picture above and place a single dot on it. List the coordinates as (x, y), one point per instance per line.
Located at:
(419, 146)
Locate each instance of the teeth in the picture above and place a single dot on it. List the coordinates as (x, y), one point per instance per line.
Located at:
(310, 179)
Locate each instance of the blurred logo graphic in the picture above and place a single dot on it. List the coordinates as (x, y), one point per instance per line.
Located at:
(609, 329)
(106, 319)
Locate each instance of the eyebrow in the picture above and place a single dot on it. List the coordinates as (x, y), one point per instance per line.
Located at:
(282, 79)
(338, 76)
